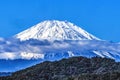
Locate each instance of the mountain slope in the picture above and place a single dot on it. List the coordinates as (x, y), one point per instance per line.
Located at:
(31, 52)
(53, 40)
(55, 30)
(77, 68)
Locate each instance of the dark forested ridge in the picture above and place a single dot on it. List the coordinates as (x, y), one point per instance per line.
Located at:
(75, 68)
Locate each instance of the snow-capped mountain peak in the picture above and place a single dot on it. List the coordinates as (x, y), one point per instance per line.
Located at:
(55, 30)
(71, 41)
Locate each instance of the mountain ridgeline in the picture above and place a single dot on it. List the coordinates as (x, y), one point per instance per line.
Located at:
(52, 40)
(55, 30)
(74, 68)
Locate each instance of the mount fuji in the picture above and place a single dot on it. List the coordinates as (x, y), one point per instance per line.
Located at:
(55, 30)
(52, 40)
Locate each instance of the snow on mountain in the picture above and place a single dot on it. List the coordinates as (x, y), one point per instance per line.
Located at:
(25, 55)
(21, 55)
(36, 49)
(54, 40)
(55, 30)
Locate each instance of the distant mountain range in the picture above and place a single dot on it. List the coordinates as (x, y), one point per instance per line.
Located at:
(52, 40)
(5, 73)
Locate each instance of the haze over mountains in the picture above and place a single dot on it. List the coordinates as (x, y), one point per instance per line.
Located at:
(53, 40)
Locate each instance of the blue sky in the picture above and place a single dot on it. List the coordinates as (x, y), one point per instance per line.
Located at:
(99, 17)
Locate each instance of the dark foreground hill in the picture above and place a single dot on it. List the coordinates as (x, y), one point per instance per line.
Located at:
(75, 68)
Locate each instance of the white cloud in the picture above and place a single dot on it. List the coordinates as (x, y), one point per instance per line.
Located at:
(7, 55)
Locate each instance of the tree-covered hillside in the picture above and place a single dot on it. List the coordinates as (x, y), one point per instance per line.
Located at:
(75, 68)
